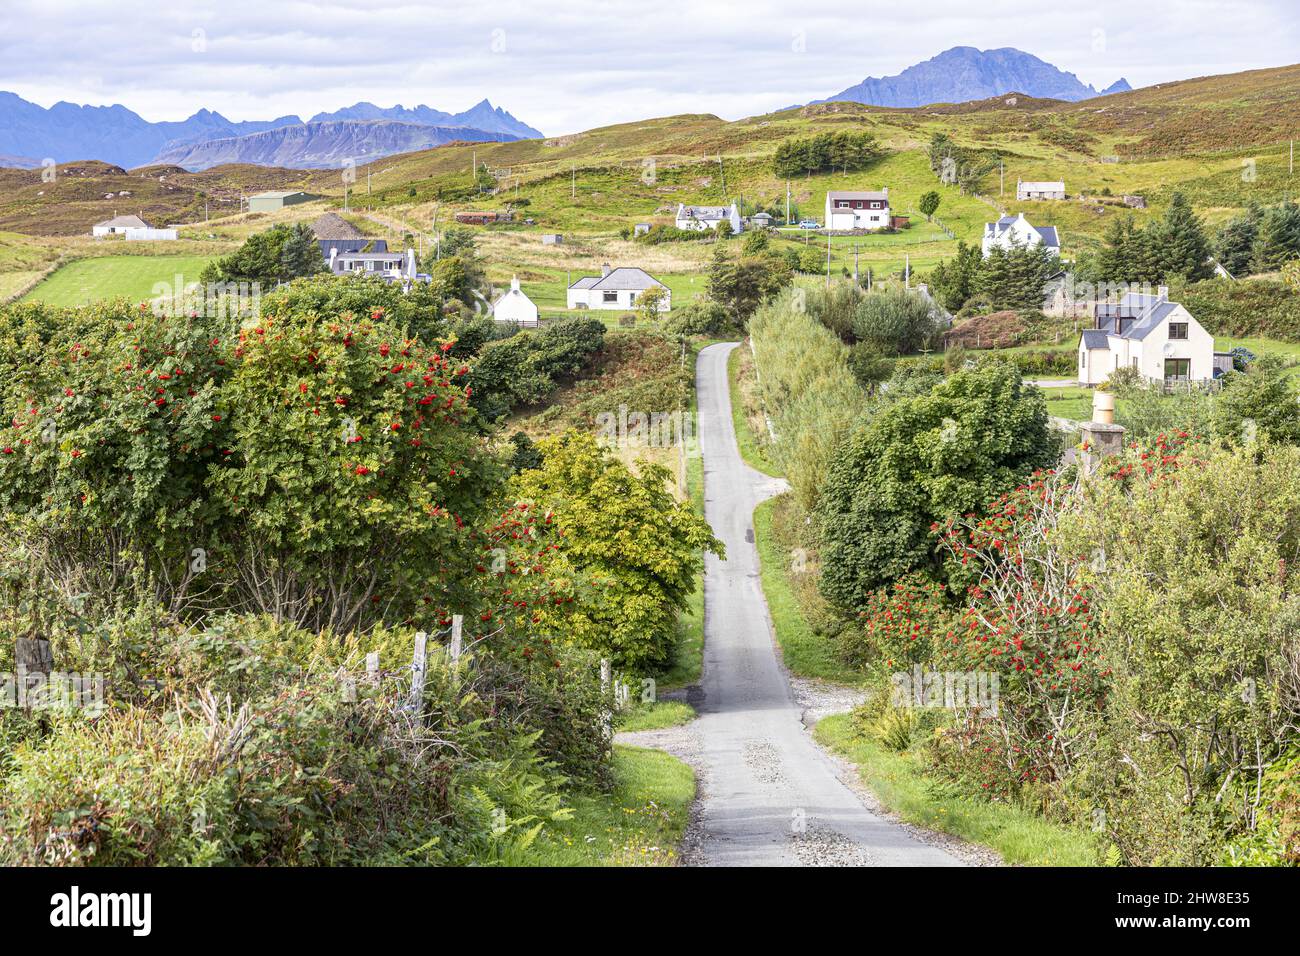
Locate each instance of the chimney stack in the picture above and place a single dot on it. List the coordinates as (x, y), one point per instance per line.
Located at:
(1162, 292)
(604, 269)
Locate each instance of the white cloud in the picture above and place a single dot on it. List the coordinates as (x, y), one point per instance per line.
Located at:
(566, 65)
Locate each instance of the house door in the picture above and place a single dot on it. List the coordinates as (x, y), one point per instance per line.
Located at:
(1178, 370)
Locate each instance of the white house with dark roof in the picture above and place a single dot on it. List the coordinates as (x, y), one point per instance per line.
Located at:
(1039, 190)
(616, 289)
(117, 226)
(850, 209)
(1159, 338)
(1016, 231)
(514, 306)
(700, 218)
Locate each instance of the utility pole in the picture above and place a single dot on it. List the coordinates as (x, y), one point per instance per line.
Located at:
(787, 202)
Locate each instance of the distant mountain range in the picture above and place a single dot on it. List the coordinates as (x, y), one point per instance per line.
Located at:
(321, 145)
(66, 132)
(965, 73)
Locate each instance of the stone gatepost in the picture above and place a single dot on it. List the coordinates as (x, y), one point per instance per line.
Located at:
(1100, 437)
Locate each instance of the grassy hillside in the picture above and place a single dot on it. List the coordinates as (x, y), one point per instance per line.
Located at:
(1221, 140)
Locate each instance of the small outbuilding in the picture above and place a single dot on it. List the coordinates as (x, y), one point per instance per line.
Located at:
(515, 307)
(275, 201)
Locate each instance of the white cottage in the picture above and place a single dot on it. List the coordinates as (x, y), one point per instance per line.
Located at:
(701, 218)
(1039, 190)
(1159, 338)
(514, 306)
(857, 209)
(615, 289)
(1016, 231)
(117, 226)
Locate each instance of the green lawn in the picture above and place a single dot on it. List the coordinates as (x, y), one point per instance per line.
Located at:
(88, 280)
(639, 824)
(1021, 837)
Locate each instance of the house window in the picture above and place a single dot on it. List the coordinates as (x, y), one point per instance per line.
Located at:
(1178, 330)
(1178, 370)
(609, 297)
(842, 204)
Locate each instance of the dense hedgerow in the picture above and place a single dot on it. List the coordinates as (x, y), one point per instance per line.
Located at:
(222, 516)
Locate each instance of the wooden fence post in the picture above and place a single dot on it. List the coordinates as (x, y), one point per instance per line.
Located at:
(457, 623)
(419, 667)
(606, 675)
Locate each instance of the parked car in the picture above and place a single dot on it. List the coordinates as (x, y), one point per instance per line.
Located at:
(810, 224)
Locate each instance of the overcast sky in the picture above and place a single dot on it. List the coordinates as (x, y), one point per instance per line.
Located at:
(564, 66)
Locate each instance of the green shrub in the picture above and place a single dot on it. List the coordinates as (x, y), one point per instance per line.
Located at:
(1263, 307)
(921, 460)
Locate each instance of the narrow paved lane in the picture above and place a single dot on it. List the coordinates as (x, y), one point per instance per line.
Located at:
(771, 796)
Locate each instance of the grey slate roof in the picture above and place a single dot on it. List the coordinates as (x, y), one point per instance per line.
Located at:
(1095, 339)
(351, 245)
(124, 222)
(1049, 236)
(1147, 312)
(706, 212)
(623, 279)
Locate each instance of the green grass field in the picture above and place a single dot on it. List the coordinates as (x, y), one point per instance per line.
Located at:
(87, 280)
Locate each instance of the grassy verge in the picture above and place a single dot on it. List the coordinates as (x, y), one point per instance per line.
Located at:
(1021, 837)
(806, 653)
(746, 412)
(639, 824)
(655, 716)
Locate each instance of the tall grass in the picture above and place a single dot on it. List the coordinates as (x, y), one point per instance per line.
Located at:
(806, 385)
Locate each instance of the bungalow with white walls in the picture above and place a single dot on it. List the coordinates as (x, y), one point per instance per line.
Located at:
(1016, 231)
(857, 209)
(1040, 190)
(1159, 338)
(616, 289)
(389, 266)
(117, 226)
(700, 218)
(515, 307)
